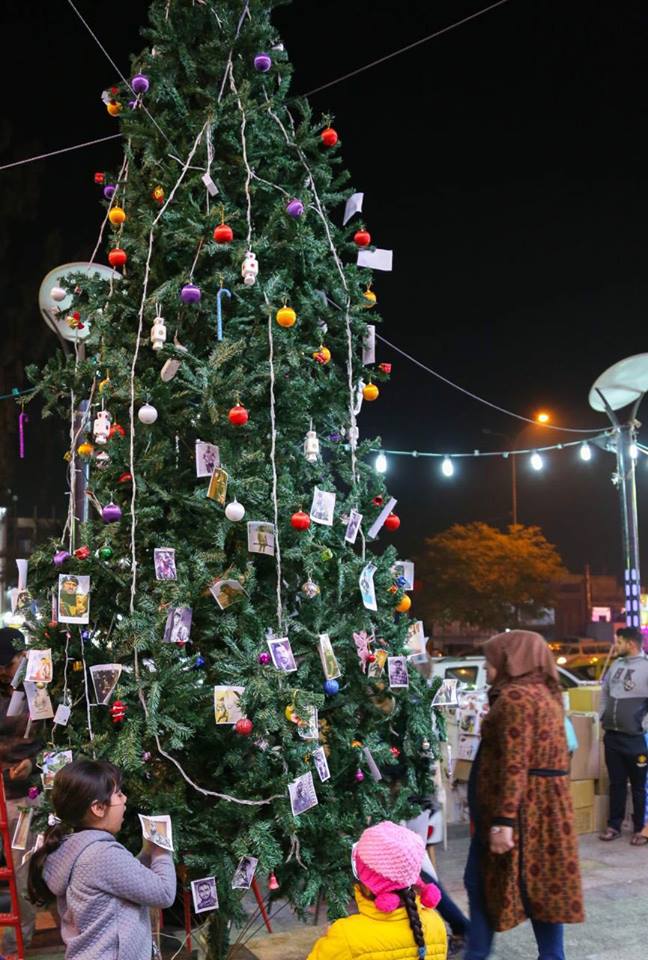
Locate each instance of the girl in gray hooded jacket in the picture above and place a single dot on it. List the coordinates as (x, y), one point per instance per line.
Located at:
(103, 892)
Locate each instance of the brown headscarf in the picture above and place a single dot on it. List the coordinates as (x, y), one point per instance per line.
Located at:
(521, 657)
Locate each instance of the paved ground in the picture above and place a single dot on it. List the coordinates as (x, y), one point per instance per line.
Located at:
(615, 878)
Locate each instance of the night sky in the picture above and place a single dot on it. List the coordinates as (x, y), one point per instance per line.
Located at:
(501, 162)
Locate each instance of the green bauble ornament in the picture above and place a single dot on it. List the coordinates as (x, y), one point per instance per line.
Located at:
(105, 553)
(326, 554)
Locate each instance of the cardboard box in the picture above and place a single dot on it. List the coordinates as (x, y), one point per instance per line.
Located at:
(585, 762)
(601, 813)
(584, 821)
(585, 699)
(602, 785)
(462, 770)
(468, 747)
(582, 793)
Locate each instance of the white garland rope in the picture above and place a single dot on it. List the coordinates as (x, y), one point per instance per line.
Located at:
(273, 461)
(248, 171)
(85, 687)
(320, 210)
(122, 177)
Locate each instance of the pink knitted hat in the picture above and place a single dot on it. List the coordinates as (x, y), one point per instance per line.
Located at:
(388, 858)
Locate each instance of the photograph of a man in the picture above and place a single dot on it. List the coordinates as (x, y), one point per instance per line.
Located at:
(73, 599)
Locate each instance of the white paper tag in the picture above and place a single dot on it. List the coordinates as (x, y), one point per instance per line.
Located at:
(371, 763)
(380, 519)
(62, 715)
(212, 189)
(376, 259)
(369, 345)
(16, 704)
(353, 205)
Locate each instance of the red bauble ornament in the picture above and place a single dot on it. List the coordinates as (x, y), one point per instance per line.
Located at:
(116, 429)
(125, 478)
(244, 727)
(395, 752)
(362, 238)
(223, 233)
(118, 711)
(99, 178)
(371, 658)
(385, 367)
(329, 137)
(273, 883)
(377, 501)
(392, 522)
(238, 415)
(300, 520)
(82, 553)
(117, 257)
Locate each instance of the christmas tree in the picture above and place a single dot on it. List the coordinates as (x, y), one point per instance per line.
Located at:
(235, 597)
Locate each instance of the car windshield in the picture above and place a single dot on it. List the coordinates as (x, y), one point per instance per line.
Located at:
(465, 675)
(586, 671)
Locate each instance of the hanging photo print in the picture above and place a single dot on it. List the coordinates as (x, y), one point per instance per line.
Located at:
(158, 830)
(244, 873)
(446, 695)
(261, 537)
(207, 458)
(321, 764)
(397, 671)
(73, 598)
(404, 569)
(227, 707)
(353, 525)
(330, 666)
(309, 729)
(377, 666)
(52, 763)
(21, 832)
(226, 592)
(217, 489)
(178, 626)
(164, 560)
(104, 680)
(416, 642)
(39, 666)
(367, 588)
(282, 655)
(40, 705)
(204, 894)
(323, 507)
(302, 794)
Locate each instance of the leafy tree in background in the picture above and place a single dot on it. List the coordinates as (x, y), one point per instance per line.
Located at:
(476, 574)
(207, 109)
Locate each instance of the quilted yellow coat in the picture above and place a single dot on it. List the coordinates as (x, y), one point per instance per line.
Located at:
(373, 935)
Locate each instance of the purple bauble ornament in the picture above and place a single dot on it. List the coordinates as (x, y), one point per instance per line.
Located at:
(359, 775)
(335, 437)
(132, 104)
(140, 83)
(262, 62)
(60, 557)
(33, 792)
(109, 190)
(190, 293)
(111, 513)
(295, 209)
(331, 687)
(264, 659)
(146, 756)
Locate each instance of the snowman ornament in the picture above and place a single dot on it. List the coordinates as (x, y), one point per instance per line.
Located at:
(158, 333)
(249, 269)
(101, 426)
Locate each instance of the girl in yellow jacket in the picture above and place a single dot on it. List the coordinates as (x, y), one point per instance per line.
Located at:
(396, 919)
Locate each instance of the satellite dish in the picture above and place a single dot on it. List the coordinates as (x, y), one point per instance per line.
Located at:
(623, 383)
(54, 311)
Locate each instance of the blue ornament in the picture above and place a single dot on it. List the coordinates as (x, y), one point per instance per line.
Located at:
(199, 661)
(401, 582)
(85, 635)
(331, 687)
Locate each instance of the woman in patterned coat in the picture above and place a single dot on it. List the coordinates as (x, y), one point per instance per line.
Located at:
(523, 860)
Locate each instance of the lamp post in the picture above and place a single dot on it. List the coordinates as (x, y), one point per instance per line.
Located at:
(621, 385)
(541, 419)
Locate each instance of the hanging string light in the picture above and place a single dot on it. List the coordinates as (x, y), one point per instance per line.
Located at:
(585, 451)
(536, 461)
(381, 463)
(633, 450)
(447, 467)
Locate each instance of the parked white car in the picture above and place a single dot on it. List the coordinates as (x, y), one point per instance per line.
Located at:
(471, 672)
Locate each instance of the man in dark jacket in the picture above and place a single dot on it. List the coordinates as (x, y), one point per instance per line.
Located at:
(624, 714)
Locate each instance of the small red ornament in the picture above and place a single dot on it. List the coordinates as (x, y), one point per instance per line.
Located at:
(118, 711)
(238, 415)
(273, 883)
(371, 658)
(53, 624)
(100, 178)
(82, 553)
(116, 429)
(377, 501)
(223, 233)
(395, 752)
(117, 257)
(362, 238)
(300, 520)
(244, 727)
(114, 91)
(385, 367)
(329, 137)
(392, 522)
(125, 478)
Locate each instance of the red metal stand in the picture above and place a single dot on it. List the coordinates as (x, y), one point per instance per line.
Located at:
(261, 904)
(7, 873)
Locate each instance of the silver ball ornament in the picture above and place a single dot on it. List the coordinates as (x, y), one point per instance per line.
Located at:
(147, 414)
(235, 511)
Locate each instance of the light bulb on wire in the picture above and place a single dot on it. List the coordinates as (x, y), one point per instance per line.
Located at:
(585, 451)
(381, 463)
(536, 461)
(633, 451)
(447, 467)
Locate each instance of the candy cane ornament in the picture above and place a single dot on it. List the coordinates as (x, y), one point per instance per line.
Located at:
(23, 418)
(219, 312)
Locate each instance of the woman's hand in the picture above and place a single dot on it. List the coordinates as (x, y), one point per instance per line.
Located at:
(21, 770)
(501, 839)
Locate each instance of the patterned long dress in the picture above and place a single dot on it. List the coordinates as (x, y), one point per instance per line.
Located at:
(522, 781)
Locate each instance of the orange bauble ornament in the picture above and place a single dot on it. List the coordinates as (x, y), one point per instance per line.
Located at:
(323, 355)
(370, 392)
(114, 108)
(286, 317)
(403, 605)
(117, 216)
(85, 449)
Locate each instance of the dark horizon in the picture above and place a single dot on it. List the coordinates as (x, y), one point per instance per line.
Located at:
(499, 161)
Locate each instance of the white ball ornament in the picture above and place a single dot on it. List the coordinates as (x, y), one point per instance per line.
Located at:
(235, 511)
(58, 293)
(147, 414)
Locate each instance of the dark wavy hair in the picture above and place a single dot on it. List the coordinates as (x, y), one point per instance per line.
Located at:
(76, 787)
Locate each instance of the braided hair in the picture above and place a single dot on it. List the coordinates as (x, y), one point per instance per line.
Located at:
(408, 897)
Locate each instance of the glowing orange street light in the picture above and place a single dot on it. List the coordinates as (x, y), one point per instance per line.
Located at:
(543, 417)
